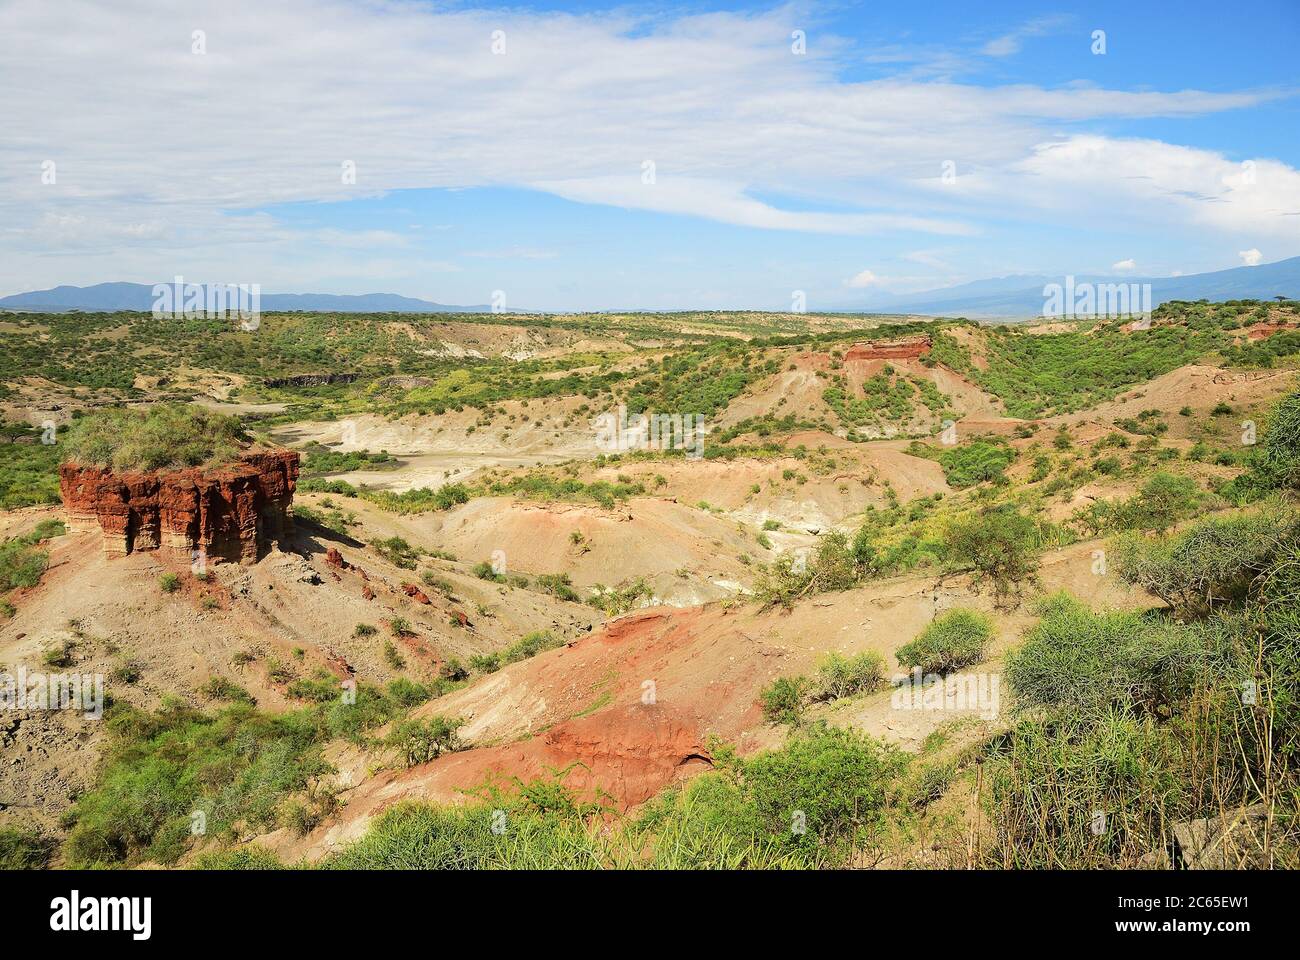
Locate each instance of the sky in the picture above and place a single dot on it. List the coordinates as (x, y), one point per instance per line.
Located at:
(588, 156)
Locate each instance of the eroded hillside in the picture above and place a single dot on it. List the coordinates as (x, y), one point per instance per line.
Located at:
(483, 598)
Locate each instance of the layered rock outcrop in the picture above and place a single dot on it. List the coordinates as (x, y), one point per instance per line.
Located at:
(908, 348)
(228, 513)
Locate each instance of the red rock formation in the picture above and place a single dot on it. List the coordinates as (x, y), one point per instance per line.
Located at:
(1262, 331)
(226, 513)
(415, 593)
(908, 348)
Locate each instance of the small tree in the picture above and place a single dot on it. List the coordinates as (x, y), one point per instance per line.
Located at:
(998, 544)
(419, 741)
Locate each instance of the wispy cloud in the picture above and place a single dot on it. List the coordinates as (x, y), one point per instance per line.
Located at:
(166, 161)
(1010, 43)
(513, 253)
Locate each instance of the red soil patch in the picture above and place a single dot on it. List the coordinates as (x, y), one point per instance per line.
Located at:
(626, 755)
(1262, 331)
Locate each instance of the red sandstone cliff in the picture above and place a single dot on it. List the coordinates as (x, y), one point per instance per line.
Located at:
(906, 349)
(229, 513)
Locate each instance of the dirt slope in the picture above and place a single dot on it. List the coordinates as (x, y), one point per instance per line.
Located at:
(637, 701)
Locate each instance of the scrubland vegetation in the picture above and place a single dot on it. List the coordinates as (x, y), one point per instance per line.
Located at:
(23, 561)
(28, 468)
(1123, 725)
(1119, 724)
(154, 438)
(239, 767)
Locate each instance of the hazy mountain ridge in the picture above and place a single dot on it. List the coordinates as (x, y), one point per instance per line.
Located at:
(139, 296)
(1022, 296)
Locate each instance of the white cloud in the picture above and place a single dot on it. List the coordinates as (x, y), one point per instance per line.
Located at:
(1129, 264)
(1010, 43)
(864, 279)
(513, 253)
(1160, 182)
(160, 160)
(928, 258)
(1251, 257)
(728, 203)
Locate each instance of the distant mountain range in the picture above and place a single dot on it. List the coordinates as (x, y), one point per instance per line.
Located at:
(1011, 298)
(1022, 296)
(107, 297)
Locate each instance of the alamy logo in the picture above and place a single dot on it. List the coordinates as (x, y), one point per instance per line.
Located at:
(1072, 300)
(973, 692)
(73, 913)
(53, 691)
(213, 301)
(616, 432)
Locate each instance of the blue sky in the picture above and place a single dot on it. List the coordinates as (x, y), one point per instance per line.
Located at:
(910, 146)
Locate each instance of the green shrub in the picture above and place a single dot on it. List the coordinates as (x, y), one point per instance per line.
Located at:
(840, 676)
(165, 435)
(997, 543)
(315, 689)
(979, 461)
(539, 641)
(1083, 793)
(408, 693)
(169, 583)
(559, 586)
(952, 641)
(244, 857)
(485, 571)
(397, 552)
(1163, 501)
(238, 766)
(485, 662)
(419, 741)
(417, 836)
(22, 563)
(1082, 661)
(783, 700)
(392, 656)
(24, 849)
(28, 471)
(1215, 562)
(235, 766)
(419, 499)
(220, 688)
(841, 781)
(619, 600)
(1277, 461)
(835, 566)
